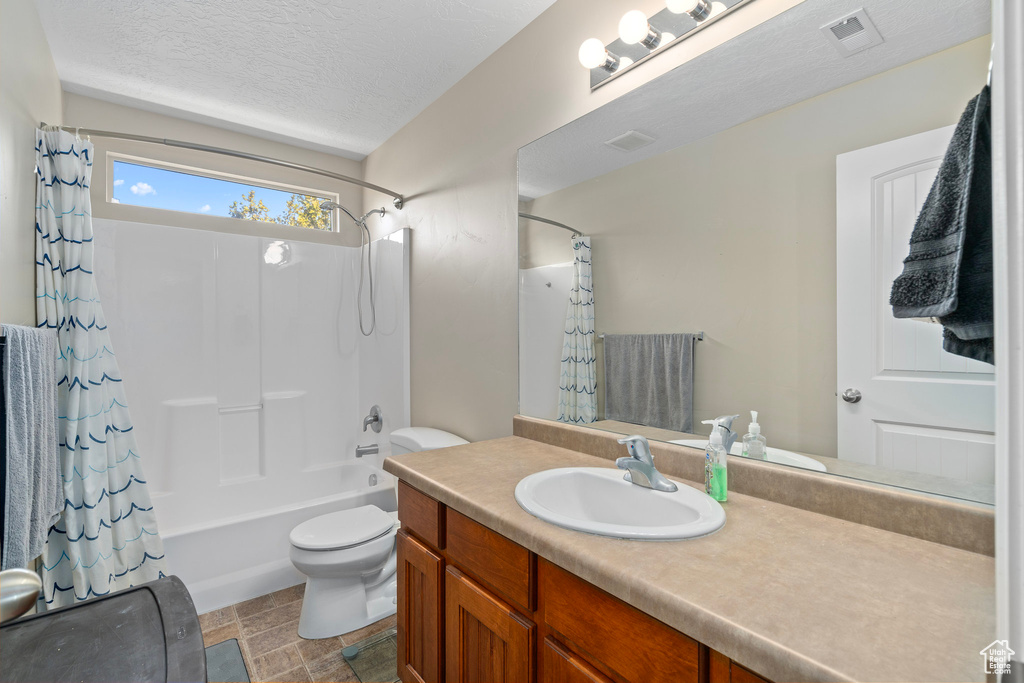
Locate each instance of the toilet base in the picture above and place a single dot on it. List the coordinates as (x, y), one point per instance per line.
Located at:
(330, 609)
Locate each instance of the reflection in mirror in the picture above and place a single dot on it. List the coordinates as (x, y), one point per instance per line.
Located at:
(769, 202)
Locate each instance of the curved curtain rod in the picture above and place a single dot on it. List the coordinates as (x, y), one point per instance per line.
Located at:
(531, 217)
(398, 201)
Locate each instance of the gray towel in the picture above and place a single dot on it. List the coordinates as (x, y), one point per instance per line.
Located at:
(648, 380)
(35, 488)
(948, 273)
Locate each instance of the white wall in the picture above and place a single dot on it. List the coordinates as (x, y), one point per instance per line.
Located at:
(29, 93)
(456, 164)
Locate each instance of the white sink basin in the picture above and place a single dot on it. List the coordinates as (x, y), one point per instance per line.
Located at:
(773, 454)
(599, 501)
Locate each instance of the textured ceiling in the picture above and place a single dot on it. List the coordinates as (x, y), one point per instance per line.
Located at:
(336, 75)
(784, 61)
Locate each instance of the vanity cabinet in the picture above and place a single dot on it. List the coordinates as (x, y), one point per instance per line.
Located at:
(474, 605)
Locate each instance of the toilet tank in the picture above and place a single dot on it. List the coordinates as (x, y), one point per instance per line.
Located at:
(415, 439)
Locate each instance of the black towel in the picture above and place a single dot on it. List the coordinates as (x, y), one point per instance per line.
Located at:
(948, 274)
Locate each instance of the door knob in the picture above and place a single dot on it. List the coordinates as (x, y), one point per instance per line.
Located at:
(851, 396)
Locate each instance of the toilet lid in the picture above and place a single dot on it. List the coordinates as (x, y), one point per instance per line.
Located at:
(342, 529)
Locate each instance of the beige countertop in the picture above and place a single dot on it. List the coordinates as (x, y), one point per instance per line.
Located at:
(791, 594)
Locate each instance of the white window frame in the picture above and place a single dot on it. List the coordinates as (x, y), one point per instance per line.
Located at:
(113, 157)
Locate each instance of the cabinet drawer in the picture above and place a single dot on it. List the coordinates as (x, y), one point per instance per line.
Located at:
(421, 515)
(602, 627)
(558, 665)
(723, 670)
(504, 566)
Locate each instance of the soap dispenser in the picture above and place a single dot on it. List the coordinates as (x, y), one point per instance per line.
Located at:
(716, 476)
(754, 444)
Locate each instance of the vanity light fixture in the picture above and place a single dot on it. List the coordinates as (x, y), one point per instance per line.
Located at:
(641, 37)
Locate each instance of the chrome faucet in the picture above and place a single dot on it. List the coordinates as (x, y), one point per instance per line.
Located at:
(372, 449)
(639, 466)
(375, 419)
(728, 436)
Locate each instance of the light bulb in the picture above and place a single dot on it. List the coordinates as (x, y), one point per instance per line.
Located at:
(592, 53)
(667, 38)
(699, 10)
(717, 8)
(623, 63)
(681, 6)
(633, 27)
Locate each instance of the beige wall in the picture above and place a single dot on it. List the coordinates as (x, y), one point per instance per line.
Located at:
(30, 92)
(456, 162)
(735, 235)
(87, 112)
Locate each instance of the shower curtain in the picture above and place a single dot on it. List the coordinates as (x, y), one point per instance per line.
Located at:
(577, 387)
(106, 538)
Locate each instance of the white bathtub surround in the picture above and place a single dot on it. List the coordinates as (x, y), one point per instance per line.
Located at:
(577, 397)
(542, 298)
(106, 538)
(250, 382)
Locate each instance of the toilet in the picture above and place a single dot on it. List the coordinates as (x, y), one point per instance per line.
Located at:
(349, 557)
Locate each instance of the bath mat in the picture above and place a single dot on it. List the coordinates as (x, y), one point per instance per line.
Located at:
(224, 663)
(375, 659)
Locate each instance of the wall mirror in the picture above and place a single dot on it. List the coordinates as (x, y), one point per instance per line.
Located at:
(764, 194)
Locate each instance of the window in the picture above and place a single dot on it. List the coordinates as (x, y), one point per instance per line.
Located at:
(160, 187)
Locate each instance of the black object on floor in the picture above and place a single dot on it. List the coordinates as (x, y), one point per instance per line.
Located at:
(147, 634)
(224, 663)
(375, 659)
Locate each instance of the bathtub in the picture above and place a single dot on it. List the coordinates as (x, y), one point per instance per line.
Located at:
(244, 557)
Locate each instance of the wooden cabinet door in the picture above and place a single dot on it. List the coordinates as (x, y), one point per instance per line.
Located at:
(420, 612)
(486, 640)
(558, 665)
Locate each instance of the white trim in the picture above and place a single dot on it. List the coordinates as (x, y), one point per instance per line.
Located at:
(1008, 247)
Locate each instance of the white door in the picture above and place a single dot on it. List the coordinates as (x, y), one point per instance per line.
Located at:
(921, 409)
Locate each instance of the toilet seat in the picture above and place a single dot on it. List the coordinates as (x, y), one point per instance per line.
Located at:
(343, 529)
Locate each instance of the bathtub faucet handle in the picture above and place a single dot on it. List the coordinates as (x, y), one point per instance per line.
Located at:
(374, 420)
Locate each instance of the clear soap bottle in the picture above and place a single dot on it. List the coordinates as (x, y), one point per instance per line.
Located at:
(716, 474)
(754, 444)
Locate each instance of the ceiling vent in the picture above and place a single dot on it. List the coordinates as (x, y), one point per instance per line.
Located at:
(630, 141)
(852, 34)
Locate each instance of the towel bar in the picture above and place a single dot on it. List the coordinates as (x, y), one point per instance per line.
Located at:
(697, 337)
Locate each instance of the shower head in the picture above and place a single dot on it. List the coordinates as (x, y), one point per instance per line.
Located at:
(328, 205)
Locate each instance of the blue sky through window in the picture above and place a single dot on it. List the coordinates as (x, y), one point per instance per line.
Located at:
(161, 188)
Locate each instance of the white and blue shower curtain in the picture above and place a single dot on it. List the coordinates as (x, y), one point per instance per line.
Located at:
(577, 387)
(106, 538)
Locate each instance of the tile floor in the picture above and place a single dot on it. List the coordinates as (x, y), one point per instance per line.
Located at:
(267, 631)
